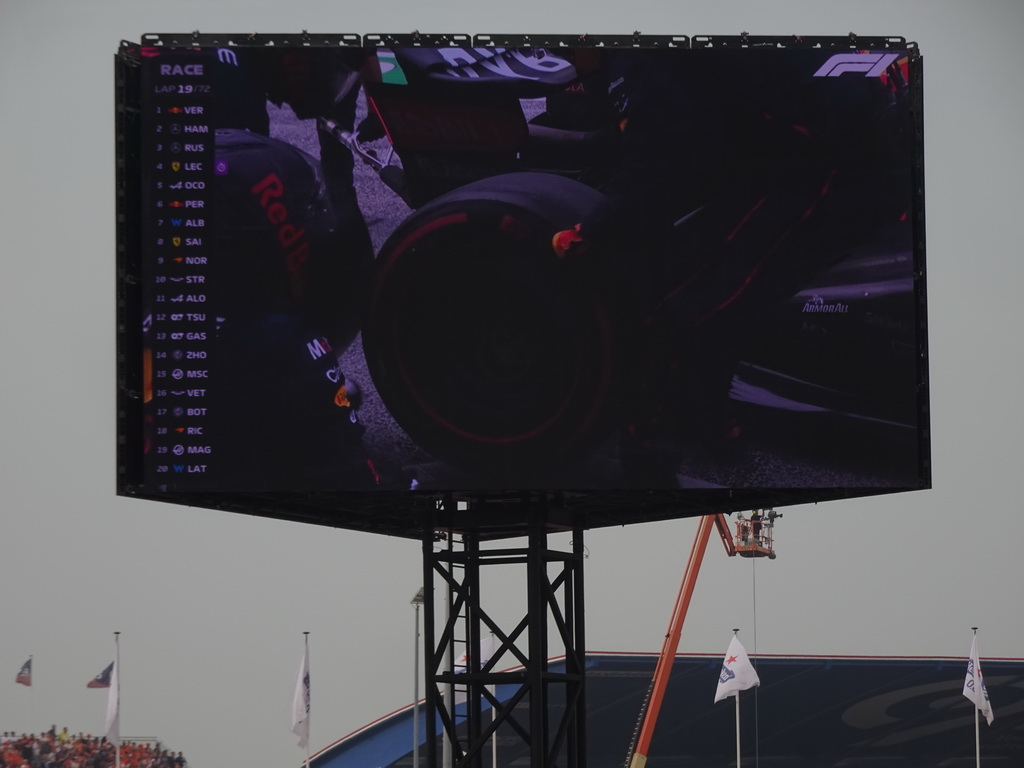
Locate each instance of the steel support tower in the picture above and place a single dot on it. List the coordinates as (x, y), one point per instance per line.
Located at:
(466, 648)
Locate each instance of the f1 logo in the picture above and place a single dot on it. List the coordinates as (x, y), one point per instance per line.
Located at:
(871, 64)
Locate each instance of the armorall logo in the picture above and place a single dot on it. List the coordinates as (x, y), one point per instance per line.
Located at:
(871, 64)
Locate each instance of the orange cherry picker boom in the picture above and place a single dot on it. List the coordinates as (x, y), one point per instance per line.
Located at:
(754, 538)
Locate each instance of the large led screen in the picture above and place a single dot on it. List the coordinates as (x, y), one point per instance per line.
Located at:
(371, 265)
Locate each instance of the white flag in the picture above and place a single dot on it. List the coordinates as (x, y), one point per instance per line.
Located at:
(300, 705)
(974, 684)
(486, 651)
(737, 672)
(462, 665)
(114, 705)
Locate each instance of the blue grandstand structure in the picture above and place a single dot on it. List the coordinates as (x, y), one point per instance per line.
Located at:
(809, 712)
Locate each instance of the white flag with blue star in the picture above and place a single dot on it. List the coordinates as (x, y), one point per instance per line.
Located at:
(974, 684)
(300, 704)
(737, 674)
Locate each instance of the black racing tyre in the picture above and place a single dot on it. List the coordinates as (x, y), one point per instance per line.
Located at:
(492, 352)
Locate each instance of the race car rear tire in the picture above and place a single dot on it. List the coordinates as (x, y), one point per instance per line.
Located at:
(495, 353)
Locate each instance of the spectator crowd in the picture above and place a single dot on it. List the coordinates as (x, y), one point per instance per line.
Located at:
(64, 750)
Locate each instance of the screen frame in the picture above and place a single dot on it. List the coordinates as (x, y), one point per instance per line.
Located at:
(492, 513)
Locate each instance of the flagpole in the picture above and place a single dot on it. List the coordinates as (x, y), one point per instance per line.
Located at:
(32, 694)
(416, 600)
(307, 722)
(977, 715)
(977, 737)
(737, 695)
(735, 632)
(117, 682)
(301, 703)
(449, 688)
(494, 716)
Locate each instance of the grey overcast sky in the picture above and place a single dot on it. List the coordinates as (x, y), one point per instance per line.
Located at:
(212, 606)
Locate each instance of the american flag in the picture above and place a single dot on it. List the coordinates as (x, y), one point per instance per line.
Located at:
(102, 680)
(25, 674)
